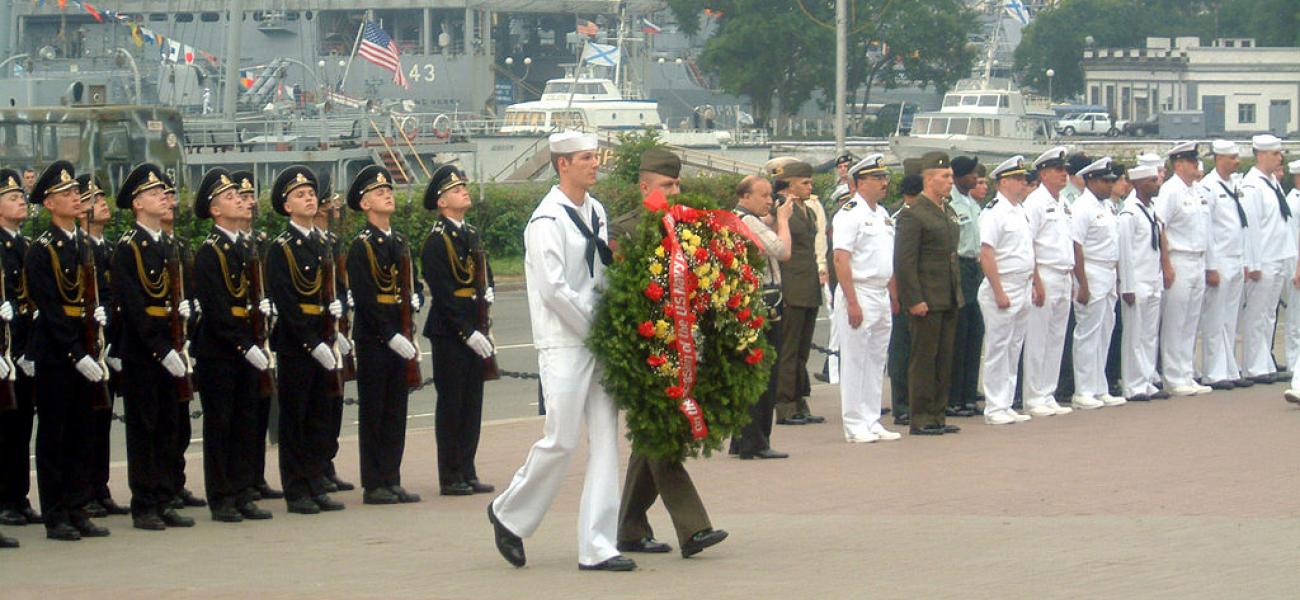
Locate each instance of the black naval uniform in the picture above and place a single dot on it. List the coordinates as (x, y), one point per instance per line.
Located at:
(184, 428)
(256, 243)
(16, 425)
(103, 418)
(293, 272)
(447, 262)
(227, 383)
(382, 390)
(142, 291)
(332, 245)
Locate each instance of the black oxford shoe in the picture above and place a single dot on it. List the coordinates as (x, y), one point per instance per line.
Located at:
(765, 453)
(794, 420)
(928, 430)
(88, 529)
(647, 545)
(509, 545)
(902, 419)
(951, 429)
(227, 514)
(113, 507)
(618, 563)
(403, 496)
(189, 500)
(148, 522)
(63, 532)
(94, 510)
(342, 486)
(813, 419)
(8, 542)
(12, 518)
(479, 487)
(1160, 395)
(174, 519)
(269, 493)
(253, 512)
(460, 488)
(327, 504)
(303, 506)
(701, 540)
(379, 496)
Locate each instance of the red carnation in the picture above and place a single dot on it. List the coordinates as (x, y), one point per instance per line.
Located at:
(654, 291)
(755, 356)
(717, 283)
(734, 301)
(646, 329)
(674, 391)
(701, 255)
(655, 360)
(743, 315)
(747, 271)
(728, 259)
(756, 323)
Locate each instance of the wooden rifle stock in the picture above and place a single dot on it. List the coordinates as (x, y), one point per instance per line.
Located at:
(176, 295)
(92, 334)
(8, 398)
(349, 365)
(256, 293)
(490, 370)
(406, 287)
(330, 330)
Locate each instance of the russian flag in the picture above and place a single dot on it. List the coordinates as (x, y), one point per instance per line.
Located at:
(649, 28)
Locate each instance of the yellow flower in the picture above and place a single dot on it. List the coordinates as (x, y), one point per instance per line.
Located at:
(668, 369)
(662, 327)
(703, 270)
(659, 251)
(656, 269)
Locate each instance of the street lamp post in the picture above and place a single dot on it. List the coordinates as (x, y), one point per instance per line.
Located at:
(1051, 73)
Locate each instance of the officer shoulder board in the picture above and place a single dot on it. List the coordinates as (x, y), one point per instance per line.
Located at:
(282, 239)
(43, 239)
(438, 226)
(848, 206)
(212, 239)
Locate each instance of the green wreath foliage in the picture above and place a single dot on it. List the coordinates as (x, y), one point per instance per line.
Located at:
(734, 356)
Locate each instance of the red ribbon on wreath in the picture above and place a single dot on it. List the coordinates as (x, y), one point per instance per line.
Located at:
(682, 313)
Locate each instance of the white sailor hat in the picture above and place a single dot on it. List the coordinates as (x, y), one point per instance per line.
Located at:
(1098, 168)
(568, 142)
(871, 164)
(1052, 158)
(1010, 167)
(1149, 159)
(1182, 150)
(1224, 148)
(1265, 142)
(1293, 167)
(1141, 172)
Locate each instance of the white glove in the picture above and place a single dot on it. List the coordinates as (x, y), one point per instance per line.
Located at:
(479, 344)
(402, 346)
(351, 302)
(416, 303)
(196, 308)
(184, 308)
(275, 312)
(5, 369)
(114, 363)
(90, 369)
(336, 308)
(7, 311)
(489, 295)
(36, 313)
(345, 347)
(173, 363)
(101, 316)
(265, 307)
(27, 366)
(257, 358)
(324, 356)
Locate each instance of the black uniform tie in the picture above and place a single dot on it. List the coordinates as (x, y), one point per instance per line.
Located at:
(1241, 212)
(1281, 199)
(594, 243)
(1155, 229)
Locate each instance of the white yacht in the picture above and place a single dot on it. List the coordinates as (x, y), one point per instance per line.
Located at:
(587, 103)
(988, 118)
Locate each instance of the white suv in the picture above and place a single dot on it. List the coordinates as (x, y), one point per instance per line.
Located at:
(1092, 123)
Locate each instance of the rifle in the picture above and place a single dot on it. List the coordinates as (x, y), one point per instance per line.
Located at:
(349, 362)
(256, 292)
(327, 297)
(93, 332)
(405, 288)
(490, 370)
(8, 399)
(176, 295)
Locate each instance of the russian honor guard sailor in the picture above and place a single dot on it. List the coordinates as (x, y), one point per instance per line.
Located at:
(381, 348)
(1187, 220)
(1049, 220)
(1225, 272)
(16, 313)
(1094, 228)
(1292, 394)
(1143, 275)
(307, 357)
(329, 211)
(864, 300)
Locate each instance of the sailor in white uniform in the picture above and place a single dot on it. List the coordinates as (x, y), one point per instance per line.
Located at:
(565, 253)
(1269, 248)
(1292, 395)
(1225, 272)
(1143, 275)
(1187, 222)
(1290, 292)
(864, 266)
(1007, 259)
(1094, 226)
(1049, 222)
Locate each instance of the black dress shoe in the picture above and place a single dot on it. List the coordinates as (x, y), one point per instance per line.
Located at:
(822, 377)
(793, 420)
(12, 518)
(8, 542)
(618, 563)
(903, 419)
(928, 430)
(460, 488)
(701, 540)
(88, 529)
(479, 487)
(764, 453)
(1244, 382)
(303, 506)
(188, 499)
(226, 514)
(329, 486)
(951, 429)
(113, 507)
(174, 519)
(1222, 385)
(31, 515)
(884, 411)
(343, 486)
(148, 522)
(176, 503)
(253, 512)
(813, 419)
(1282, 375)
(326, 503)
(94, 510)
(647, 545)
(379, 496)
(1160, 395)
(1264, 379)
(1139, 398)
(63, 532)
(509, 545)
(404, 496)
(269, 493)
(950, 411)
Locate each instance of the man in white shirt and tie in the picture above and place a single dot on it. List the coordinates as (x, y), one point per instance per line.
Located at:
(1269, 249)
(1225, 272)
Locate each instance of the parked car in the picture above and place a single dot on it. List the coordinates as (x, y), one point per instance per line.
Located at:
(1093, 123)
(1150, 126)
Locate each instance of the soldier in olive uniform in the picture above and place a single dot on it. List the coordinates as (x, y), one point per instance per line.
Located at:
(801, 290)
(900, 337)
(929, 289)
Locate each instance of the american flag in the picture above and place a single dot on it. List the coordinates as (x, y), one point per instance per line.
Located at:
(380, 49)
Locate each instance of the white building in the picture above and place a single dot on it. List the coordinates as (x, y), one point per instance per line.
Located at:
(1240, 88)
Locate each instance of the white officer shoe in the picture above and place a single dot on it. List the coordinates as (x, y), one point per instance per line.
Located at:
(1110, 400)
(884, 434)
(861, 438)
(999, 418)
(1292, 396)
(1057, 408)
(1082, 402)
(1183, 390)
(1011, 412)
(1042, 410)
(1202, 390)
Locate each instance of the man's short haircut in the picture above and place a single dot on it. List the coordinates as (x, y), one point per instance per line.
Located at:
(912, 185)
(746, 185)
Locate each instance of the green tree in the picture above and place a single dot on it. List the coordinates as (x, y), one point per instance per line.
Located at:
(627, 156)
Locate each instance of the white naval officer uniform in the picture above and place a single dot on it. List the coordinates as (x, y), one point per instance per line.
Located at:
(1004, 228)
(1095, 227)
(1269, 247)
(1290, 294)
(1049, 222)
(1186, 218)
(1225, 255)
(562, 295)
(866, 233)
(1139, 274)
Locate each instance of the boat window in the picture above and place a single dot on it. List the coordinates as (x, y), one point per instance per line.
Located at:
(184, 18)
(210, 17)
(995, 127)
(970, 100)
(951, 100)
(957, 126)
(989, 100)
(1004, 101)
(537, 119)
(939, 125)
(158, 17)
(920, 124)
(976, 126)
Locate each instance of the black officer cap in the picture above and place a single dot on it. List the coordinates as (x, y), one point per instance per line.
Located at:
(1076, 162)
(911, 185)
(10, 180)
(214, 183)
(60, 176)
(845, 159)
(247, 183)
(661, 161)
(370, 178)
(444, 178)
(141, 179)
(287, 181)
(964, 165)
(88, 186)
